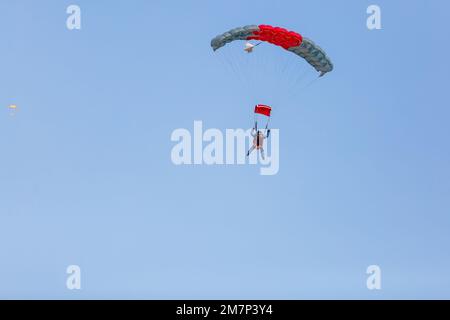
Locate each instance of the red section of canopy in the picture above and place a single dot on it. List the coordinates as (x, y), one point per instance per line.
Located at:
(277, 36)
(263, 109)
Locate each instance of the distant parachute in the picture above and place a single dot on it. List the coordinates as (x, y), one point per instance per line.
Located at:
(289, 40)
(12, 109)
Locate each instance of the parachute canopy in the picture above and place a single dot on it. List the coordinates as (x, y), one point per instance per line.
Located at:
(263, 109)
(289, 40)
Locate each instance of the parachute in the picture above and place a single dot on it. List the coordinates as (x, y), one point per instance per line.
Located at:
(289, 40)
(12, 109)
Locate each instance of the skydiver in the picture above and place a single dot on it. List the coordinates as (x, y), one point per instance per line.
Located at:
(258, 141)
(250, 46)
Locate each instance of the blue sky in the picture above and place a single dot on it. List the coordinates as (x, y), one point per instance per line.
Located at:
(86, 176)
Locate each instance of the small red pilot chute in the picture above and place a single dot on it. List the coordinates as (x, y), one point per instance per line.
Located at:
(263, 109)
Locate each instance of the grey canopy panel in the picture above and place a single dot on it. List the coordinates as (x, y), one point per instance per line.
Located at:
(242, 33)
(314, 54)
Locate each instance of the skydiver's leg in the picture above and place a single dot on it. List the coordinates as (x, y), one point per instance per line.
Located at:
(262, 153)
(250, 150)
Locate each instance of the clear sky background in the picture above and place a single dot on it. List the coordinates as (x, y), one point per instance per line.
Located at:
(86, 176)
